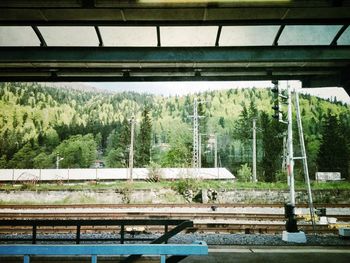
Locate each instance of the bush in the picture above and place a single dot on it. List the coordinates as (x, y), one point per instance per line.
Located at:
(154, 172)
(188, 188)
(184, 185)
(281, 176)
(244, 174)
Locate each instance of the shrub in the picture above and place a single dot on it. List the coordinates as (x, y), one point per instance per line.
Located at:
(281, 176)
(244, 174)
(154, 172)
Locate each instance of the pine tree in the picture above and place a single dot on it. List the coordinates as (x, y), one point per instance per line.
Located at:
(333, 154)
(143, 147)
(272, 146)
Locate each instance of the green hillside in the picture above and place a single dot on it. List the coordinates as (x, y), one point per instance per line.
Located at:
(39, 122)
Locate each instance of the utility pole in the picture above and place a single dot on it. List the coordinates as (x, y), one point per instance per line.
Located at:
(290, 158)
(284, 154)
(254, 151)
(200, 151)
(216, 150)
(292, 234)
(131, 152)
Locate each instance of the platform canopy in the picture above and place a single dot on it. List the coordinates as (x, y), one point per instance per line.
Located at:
(169, 40)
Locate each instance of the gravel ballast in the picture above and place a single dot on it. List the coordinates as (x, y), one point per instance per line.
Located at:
(210, 239)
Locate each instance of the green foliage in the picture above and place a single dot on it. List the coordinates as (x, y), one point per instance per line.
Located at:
(272, 142)
(43, 160)
(36, 119)
(154, 172)
(115, 158)
(244, 174)
(77, 151)
(180, 152)
(143, 146)
(24, 158)
(334, 153)
(281, 176)
(3, 162)
(186, 184)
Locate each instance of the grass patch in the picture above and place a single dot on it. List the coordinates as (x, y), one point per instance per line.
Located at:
(199, 184)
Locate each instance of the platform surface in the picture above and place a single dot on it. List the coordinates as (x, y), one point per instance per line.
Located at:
(236, 254)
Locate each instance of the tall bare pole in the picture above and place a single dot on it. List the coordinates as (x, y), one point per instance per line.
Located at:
(131, 152)
(216, 150)
(290, 159)
(254, 151)
(200, 151)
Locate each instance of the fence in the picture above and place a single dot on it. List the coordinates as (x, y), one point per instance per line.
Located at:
(34, 175)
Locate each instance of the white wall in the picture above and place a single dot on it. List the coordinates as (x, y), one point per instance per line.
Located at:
(109, 174)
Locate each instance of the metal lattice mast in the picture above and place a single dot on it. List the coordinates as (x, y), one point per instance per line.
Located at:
(195, 158)
(304, 158)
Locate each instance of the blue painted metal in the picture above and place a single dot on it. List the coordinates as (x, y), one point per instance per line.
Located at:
(199, 248)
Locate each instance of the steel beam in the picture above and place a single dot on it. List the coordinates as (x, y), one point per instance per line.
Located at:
(278, 35)
(99, 36)
(40, 36)
(312, 64)
(338, 35)
(148, 23)
(149, 55)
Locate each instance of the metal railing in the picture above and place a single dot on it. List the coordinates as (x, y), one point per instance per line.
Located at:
(179, 225)
(163, 250)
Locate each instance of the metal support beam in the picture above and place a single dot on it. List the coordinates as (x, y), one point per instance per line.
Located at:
(40, 36)
(139, 55)
(218, 36)
(53, 13)
(278, 35)
(338, 35)
(314, 65)
(99, 36)
(158, 37)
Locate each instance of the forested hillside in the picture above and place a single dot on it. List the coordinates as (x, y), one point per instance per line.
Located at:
(38, 122)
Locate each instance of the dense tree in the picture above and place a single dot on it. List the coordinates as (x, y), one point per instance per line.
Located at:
(144, 137)
(272, 137)
(333, 155)
(36, 119)
(43, 160)
(24, 158)
(77, 151)
(115, 158)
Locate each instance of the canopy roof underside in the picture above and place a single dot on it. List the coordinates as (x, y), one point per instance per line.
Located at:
(149, 40)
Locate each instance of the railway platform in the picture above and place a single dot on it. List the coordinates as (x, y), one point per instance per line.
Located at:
(274, 254)
(234, 254)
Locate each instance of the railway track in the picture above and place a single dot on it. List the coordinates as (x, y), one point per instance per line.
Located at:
(219, 218)
(112, 206)
(135, 215)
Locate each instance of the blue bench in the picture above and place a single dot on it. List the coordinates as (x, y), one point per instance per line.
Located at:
(162, 250)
